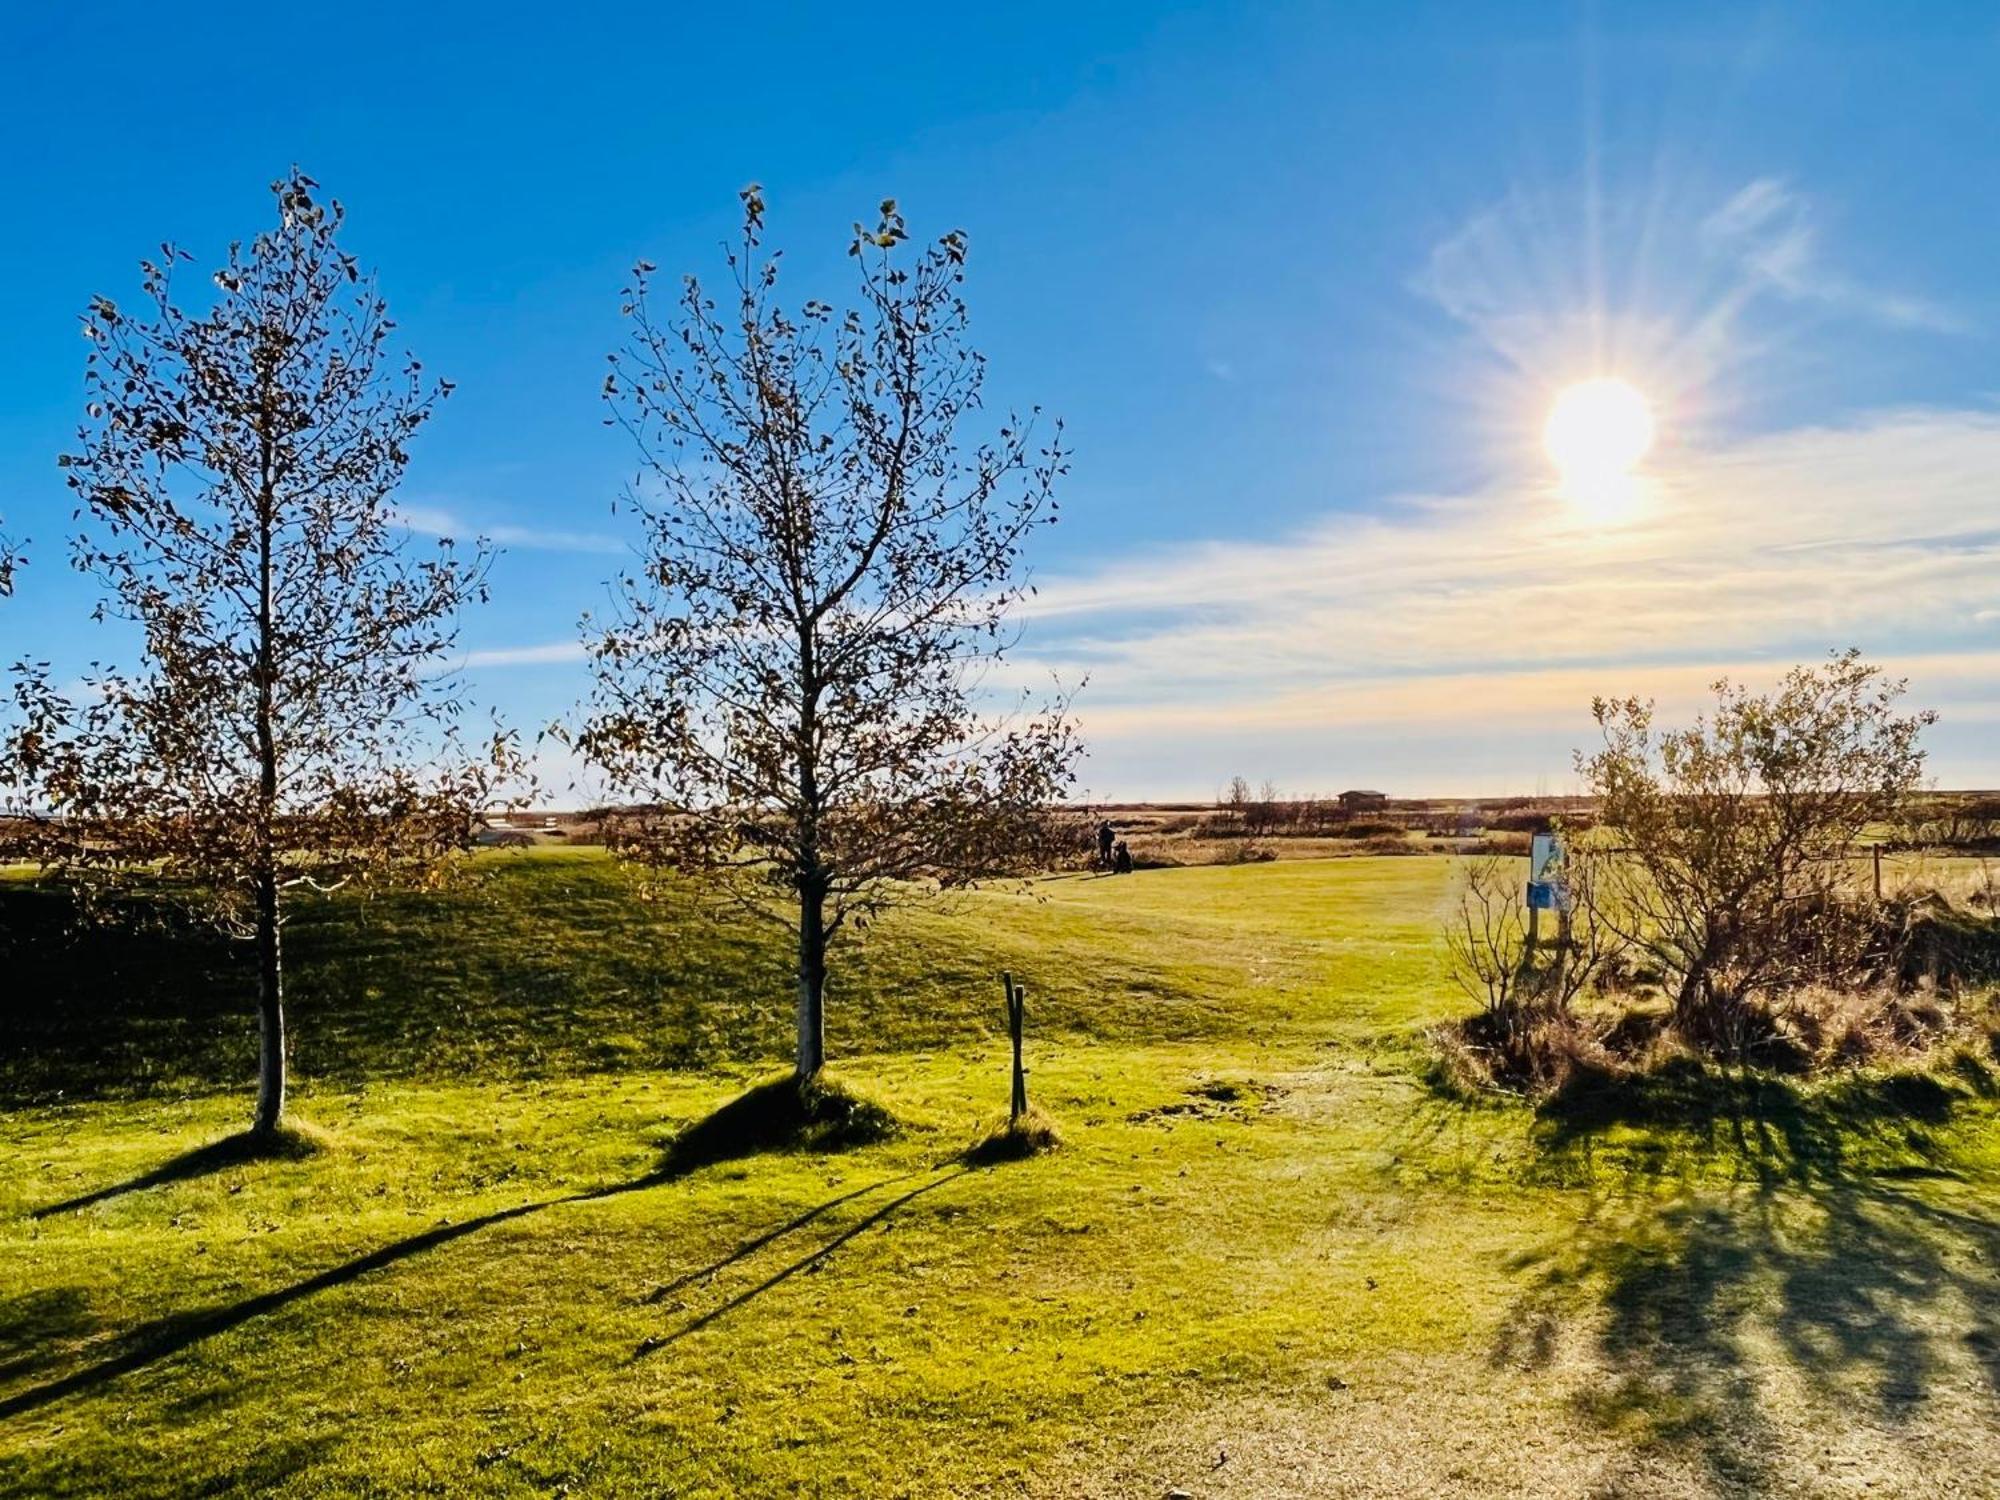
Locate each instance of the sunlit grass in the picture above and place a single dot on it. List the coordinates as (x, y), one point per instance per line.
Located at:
(493, 1274)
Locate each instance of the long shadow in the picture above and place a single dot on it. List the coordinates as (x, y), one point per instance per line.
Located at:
(1811, 1224)
(811, 1258)
(230, 1151)
(169, 1335)
(30, 1321)
(751, 1246)
(163, 1337)
(1766, 1128)
(773, 1116)
(748, 1125)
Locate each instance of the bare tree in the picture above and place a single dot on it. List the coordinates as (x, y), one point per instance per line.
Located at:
(292, 721)
(1263, 808)
(792, 684)
(1236, 801)
(1486, 937)
(1738, 880)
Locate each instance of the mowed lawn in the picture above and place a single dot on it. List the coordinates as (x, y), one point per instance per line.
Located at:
(1270, 1257)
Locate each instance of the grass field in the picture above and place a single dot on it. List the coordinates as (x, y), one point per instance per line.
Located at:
(1270, 1258)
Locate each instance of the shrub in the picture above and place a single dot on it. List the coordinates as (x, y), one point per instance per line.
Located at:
(1486, 940)
(1537, 1053)
(1526, 820)
(1737, 882)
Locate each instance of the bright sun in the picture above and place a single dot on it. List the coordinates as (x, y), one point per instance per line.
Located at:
(1597, 433)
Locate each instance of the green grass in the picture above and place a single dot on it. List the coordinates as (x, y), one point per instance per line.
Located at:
(486, 1266)
(560, 963)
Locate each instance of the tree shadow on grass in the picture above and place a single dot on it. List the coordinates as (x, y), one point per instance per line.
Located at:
(1746, 1217)
(1759, 1126)
(231, 1151)
(273, 1467)
(150, 1342)
(812, 1261)
(746, 1248)
(780, 1115)
(32, 1320)
(775, 1116)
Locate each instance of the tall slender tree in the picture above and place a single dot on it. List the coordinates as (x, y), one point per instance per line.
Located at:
(292, 721)
(28, 686)
(791, 687)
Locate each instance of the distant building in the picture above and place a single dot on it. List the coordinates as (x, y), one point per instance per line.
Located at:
(1363, 801)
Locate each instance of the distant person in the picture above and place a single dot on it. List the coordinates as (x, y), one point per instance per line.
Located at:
(1106, 836)
(1121, 862)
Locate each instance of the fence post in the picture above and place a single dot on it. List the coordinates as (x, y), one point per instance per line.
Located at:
(1877, 849)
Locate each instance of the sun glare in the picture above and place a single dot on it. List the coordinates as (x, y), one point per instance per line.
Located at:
(1597, 433)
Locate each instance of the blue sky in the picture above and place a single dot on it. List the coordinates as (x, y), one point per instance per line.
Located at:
(1301, 279)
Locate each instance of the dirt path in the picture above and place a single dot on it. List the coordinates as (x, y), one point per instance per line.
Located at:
(1452, 1430)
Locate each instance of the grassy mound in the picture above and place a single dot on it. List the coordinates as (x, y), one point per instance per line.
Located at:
(1014, 1140)
(558, 964)
(781, 1114)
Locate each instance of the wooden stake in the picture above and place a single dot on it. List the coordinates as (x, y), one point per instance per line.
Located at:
(1877, 850)
(1017, 1008)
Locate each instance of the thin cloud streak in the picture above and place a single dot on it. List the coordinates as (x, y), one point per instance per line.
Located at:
(1965, 683)
(527, 656)
(1768, 227)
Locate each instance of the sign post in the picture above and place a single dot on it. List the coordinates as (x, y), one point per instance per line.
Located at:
(1546, 890)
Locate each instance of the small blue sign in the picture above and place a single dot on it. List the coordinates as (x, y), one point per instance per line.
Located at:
(1544, 895)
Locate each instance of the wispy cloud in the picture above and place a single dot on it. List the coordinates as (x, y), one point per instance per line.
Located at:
(527, 656)
(1768, 228)
(1459, 610)
(1454, 625)
(430, 520)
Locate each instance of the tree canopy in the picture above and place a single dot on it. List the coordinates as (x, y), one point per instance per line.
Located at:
(795, 685)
